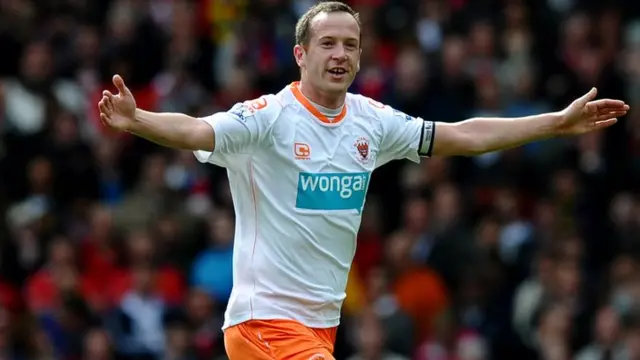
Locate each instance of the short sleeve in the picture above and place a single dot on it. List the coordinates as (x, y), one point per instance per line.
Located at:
(239, 131)
(404, 136)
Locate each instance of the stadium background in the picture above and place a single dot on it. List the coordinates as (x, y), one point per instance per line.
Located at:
(112, 246)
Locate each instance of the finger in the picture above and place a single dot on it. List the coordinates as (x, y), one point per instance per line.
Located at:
(588, 96)
(609, 103)
(609, 115)
(624, 108)
(119, 84)
(621, 109)
(104, 119)
(102, 105)
(108, 94)
(109, 102)
(605, 123)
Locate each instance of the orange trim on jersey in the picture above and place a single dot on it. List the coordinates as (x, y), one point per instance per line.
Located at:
(254, 197)
(295, 89)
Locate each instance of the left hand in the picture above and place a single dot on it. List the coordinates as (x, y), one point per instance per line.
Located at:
(586, 114)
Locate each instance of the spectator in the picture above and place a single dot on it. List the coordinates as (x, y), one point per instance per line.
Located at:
(97, 345)
(400, 329)
(60, 274)
(5, 350)
(423, 304)
(212, 268)
(370, 340)
(138, 323)
(607, 334)
(204, 324)
(65, 328)
(178, 344)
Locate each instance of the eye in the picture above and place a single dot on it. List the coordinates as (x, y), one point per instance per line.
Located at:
(326, 43)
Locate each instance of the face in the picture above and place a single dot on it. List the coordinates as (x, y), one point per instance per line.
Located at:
(222, 229)
(399, 250)
(632, 342)
(178, 338)
(377, 283)
(568, 278)
(447, 201)
(556, 322)
(370, 334)
(143, 279)
(101, 222)
(607, 326)
(61, 252)
(199, 305)
(97, 344)
(332, 58)
(140, 246)
(416, 215)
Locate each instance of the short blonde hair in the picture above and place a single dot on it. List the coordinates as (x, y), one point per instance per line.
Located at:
(303, 28)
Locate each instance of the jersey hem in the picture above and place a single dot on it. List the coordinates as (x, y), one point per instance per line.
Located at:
(310, 323)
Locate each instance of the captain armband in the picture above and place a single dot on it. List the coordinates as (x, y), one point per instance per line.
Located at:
(426, 138)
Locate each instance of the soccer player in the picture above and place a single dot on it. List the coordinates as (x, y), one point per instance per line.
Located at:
(299, 164)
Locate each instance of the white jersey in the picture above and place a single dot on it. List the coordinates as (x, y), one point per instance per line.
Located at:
(298, 181)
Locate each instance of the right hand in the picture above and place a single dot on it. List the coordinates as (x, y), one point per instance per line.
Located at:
(118, 111)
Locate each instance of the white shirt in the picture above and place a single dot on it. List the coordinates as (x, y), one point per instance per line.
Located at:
(146, 314)
(298, 181)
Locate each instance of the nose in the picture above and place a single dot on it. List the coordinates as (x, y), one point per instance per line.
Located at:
(340, 53)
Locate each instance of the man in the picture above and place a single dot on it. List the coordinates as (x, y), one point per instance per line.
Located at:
(299, 164)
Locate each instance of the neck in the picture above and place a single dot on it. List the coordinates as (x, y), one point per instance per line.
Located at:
(328, 100)
(173, 354)
(371, 355)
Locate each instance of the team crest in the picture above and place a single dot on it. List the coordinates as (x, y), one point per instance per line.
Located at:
(362, 149)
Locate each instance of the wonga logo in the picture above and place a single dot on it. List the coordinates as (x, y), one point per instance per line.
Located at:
(332, 191)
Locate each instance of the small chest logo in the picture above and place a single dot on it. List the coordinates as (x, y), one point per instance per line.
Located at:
(302, 151)
(362, 149)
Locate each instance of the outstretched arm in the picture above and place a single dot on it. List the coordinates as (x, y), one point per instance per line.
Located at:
(172, 130)
(480, 135)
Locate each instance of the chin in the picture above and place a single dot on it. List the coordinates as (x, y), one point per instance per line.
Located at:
(337, 87)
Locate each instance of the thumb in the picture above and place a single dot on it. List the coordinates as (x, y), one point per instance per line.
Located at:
(119, 83)
(588, 96)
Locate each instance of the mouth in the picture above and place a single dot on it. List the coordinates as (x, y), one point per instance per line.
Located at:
(337, 72)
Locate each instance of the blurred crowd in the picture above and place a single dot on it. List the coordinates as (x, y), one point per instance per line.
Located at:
(114, 248)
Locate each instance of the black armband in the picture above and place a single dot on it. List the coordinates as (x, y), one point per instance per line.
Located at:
(426, 138)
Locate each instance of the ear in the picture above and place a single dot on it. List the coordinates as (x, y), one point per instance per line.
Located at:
(299, 54)
(358, 64)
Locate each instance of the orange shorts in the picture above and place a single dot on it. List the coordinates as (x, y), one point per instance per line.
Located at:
(278, 340)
